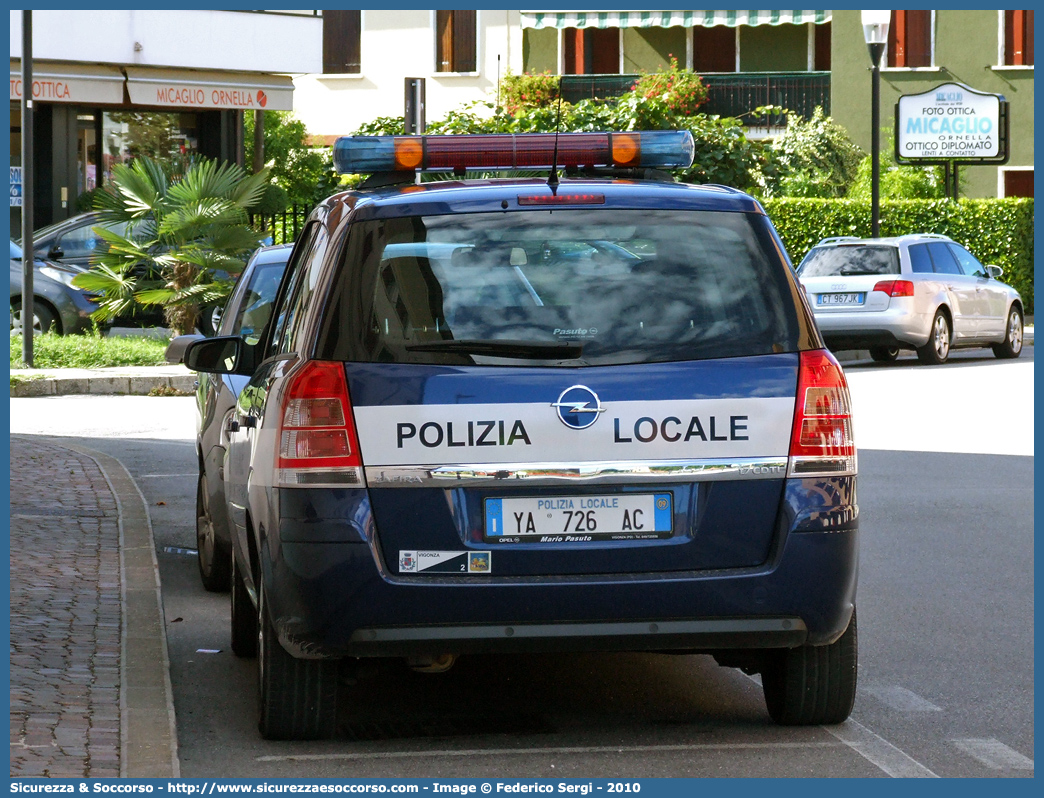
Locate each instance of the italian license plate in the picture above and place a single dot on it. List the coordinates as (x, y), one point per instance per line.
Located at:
(841, 299)
(571, 519)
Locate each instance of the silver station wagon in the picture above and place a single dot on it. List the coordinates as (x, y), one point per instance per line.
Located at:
(923, 292)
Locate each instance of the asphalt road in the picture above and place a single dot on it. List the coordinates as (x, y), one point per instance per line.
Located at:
(945, 614)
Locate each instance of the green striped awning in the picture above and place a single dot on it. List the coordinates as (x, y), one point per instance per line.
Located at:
(667, 19)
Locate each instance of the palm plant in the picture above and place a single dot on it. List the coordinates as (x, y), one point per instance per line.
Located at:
(185, 235)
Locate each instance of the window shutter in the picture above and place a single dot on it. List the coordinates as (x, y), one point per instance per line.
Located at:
(919, 38)
(573, 41)
(910, 39)
(464, 47)
(342, 31)
(1018, 38)
(443, 41)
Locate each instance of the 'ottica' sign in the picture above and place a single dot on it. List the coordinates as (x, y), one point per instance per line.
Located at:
(950, 121)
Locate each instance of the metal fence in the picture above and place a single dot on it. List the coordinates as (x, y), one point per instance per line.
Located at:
(728, 94)
(737, 94)
(281, 227)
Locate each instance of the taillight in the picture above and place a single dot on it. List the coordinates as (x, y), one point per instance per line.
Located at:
(895, 287)
(821, 443)
(318, 445)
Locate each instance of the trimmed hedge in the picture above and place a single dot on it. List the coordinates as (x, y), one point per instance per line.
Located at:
(996, 231)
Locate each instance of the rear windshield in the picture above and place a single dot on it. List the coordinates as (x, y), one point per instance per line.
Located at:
(846, 260)
(605, 286)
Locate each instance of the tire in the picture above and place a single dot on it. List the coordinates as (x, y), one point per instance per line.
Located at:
(812, 685)
(44, 319)
(244, 616)
(884, 354)
(935, 352)
(1012, 346)
(210, 319)
(213, 556)
(297, 698)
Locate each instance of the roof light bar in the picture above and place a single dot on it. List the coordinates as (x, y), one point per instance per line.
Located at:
(656, 149)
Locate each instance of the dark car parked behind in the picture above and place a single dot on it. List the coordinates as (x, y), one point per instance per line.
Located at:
(248, 309)
(57, 305)
(73, 243)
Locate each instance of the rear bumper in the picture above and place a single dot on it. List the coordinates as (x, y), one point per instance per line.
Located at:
(706, 634)
(896, 326)
(335, 599)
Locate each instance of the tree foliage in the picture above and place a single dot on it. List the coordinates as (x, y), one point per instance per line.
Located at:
(305, 174)
(815, 158)
(187, 234)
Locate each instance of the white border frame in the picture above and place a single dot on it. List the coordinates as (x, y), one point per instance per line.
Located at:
(479, 42)
(1002, 170)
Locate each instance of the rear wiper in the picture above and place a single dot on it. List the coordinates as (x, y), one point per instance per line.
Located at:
(852, 272)
(502, 348)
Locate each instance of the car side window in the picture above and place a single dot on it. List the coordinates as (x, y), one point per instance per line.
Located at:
(920, 261)
(294, 270)
(943, 259)
(969, 263)
(311, 268)
(255, 302)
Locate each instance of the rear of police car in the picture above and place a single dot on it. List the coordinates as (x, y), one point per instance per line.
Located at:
(595, 415)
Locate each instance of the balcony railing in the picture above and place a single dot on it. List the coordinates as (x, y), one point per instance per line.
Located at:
(728, 93)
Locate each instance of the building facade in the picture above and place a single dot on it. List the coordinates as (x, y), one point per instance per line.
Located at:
(367, 56)
(749, 58)
(157, 82)
(988, 50)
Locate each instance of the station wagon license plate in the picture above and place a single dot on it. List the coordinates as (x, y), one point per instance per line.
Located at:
(842, 299)
(572, 519)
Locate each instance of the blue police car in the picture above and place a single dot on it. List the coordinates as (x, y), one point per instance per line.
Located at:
(541, 414)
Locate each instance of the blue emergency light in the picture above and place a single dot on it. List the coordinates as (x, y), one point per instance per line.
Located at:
(652, 149)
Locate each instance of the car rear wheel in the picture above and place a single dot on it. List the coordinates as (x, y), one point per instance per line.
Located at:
(244, 616)
(213, 556)
(297, 697)
(884, 354)
(43, 319)
(1012, 346)
(811, 685)
(937, 349)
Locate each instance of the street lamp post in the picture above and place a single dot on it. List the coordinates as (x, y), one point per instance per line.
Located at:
(875, 32)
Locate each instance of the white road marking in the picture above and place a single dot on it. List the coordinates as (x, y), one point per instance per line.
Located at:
(901, 699)
(166, 476)
(591, 749)
(876, 750)
(994, 754)
(879, 751)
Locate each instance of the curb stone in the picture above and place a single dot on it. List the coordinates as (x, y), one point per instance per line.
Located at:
(118, 382)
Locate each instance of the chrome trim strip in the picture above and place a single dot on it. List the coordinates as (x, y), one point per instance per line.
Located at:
(598, 473)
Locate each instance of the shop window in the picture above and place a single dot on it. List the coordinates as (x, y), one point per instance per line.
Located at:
(1018, 38)
(821, 62)
(910, 39)
(342, 42)
(591, 51)
(714, 49)
(455, 48)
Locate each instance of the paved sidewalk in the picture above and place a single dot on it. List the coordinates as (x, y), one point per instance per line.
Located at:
(90, 688)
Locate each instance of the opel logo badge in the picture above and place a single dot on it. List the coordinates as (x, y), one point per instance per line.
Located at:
(578, 407)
